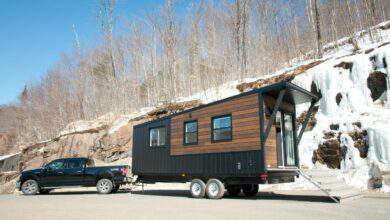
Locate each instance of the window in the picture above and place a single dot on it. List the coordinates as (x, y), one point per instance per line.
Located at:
(56, 165)
(221, 128)
(191, 132)
(157, 137)
(74, 164)
(90, 163)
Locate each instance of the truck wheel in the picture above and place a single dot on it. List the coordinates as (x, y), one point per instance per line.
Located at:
(215, 189)
(233, 190)
(104, 186)
(30, 187)
(197, 188)
(250, 189)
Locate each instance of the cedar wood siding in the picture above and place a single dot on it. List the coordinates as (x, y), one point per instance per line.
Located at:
(245, 127)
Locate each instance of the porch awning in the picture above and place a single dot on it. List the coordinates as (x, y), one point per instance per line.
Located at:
(293, 93)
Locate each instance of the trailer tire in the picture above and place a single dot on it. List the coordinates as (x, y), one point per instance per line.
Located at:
(250, 189)
(104, 186)
(234, 190)
(215, 189)
(197, 188)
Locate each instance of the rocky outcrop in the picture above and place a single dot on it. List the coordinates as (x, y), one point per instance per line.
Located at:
(377, 84)
(93, 139)
(8, 181)
(172, 108)
(331, 152)
(285, 77)
(312, 119)
(114, 146)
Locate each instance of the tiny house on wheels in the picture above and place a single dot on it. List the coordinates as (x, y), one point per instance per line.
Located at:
(233, 144)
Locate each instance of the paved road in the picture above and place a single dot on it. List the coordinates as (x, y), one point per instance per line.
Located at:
(176, 204)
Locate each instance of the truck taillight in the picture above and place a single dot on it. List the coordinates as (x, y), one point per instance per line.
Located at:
(123, 171)
(264, 176)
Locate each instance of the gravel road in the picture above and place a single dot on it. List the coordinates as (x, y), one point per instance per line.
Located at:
(176, 204)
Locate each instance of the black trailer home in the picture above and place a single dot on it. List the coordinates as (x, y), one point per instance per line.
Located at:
(235, 143)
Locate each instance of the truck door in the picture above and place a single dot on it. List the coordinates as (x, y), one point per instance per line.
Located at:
(53, 175)
(74, 172)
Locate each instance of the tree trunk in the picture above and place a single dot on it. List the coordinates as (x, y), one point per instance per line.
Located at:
(318, 28)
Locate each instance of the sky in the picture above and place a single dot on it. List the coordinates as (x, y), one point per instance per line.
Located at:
(35, 33)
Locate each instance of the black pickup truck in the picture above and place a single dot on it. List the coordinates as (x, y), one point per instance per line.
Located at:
(72, 172)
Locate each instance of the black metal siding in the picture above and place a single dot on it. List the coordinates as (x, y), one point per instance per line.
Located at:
(158, 161)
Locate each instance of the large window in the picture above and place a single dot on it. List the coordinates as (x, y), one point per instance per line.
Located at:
(221, 128)
(157, 137)
(190, 132)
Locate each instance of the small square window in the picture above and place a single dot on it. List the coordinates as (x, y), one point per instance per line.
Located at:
(221, 128)
(157, 137)
(190, 132)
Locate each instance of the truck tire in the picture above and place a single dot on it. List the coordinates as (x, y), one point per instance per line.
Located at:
(215, 189)
(233, 190)
(250, 189)
(104, 186)
(197, 188)
(30, 187)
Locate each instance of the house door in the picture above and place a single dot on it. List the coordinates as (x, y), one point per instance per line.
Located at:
(288, 140)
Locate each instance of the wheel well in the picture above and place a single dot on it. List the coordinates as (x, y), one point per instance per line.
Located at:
(104, 176)
(26, 179)
(29, 178)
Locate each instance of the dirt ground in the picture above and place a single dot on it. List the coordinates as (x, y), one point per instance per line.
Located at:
(175, 203)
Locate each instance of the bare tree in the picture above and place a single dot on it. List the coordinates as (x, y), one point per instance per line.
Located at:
(107, 24)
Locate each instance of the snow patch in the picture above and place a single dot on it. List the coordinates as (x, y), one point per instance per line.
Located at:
(3, 157)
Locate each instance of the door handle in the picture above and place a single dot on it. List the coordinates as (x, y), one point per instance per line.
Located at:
(60, 172)
(78, 172)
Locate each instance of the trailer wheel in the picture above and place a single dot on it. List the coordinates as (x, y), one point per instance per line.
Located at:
(233, 190)
(215, 189)
(250, 189)
(197, 188)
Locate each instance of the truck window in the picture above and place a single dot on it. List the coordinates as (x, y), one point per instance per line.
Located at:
(56, 165)
(157, 137)
(75, 163)
(90, 163)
